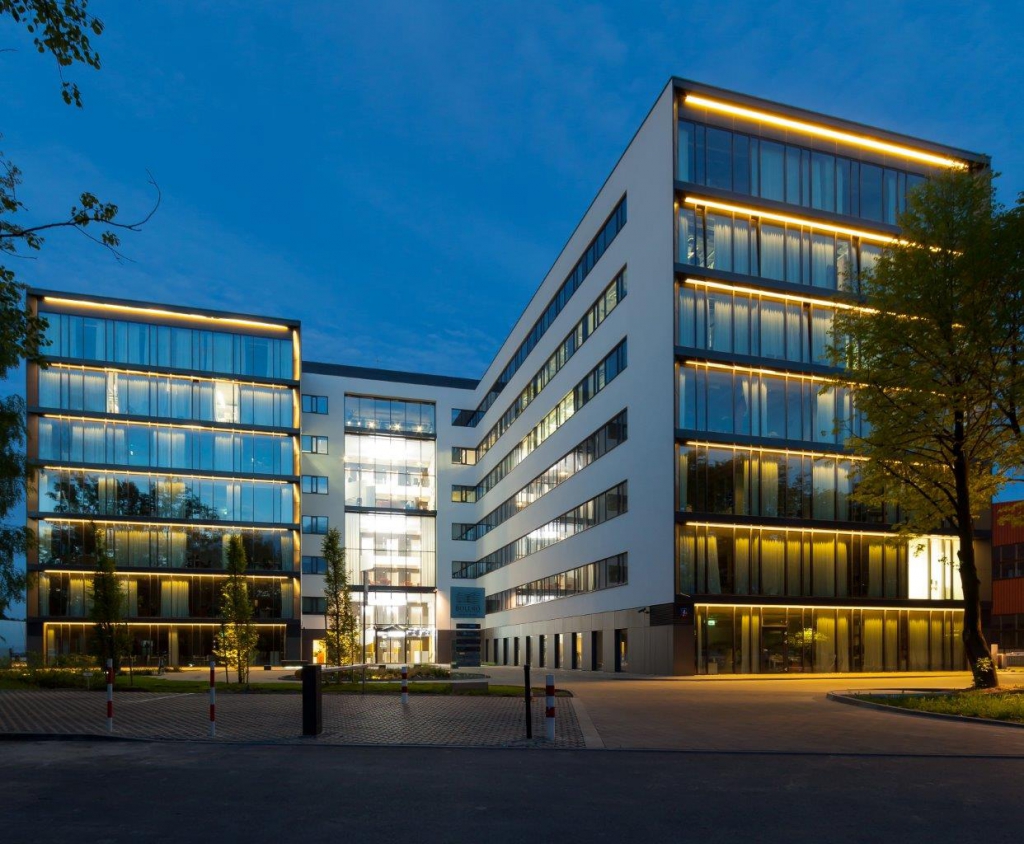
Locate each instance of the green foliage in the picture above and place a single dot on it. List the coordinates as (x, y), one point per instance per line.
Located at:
(934, 362)
(341, 636)
(108, 607)
(236, 641)
(1000, 706)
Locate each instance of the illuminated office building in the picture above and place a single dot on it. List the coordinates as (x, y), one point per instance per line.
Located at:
(647, 478)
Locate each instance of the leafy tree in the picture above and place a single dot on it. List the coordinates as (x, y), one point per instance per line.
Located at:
(236, 641)
(109, 606)
(340, 635)
(929, 358)
(62, 29)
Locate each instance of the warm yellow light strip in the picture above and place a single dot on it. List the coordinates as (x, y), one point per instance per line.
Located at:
(227, 379)
(138, 424)
(128, 572)
(787, 451)
(182, 524)
(170, 474)
(255, 621)
(862, 141)
(771, 294)
(771, 528)
(106, 306)
(799, 606)
(878, 237)
(756, 371)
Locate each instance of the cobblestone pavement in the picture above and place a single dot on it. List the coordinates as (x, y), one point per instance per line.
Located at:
(347, 719)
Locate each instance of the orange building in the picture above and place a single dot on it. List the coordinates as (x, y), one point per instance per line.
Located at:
(1008, 575)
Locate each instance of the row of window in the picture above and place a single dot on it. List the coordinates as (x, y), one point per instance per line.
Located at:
(782, 407)
(118, 341)
(390, 472)
(605, 304)
(734, 161)
(588, 387)
(1008, 560)
(592, 577)
(754, 325)
(63, 594)
(314, 404)
(599, 509)
(315, 485)
(786, 640)
(165, 397)
(599, 443)
(591, 255)
(73, 544)
(749, 482)
(137, 444)
(85, 493)
(724, 560)
(737, 243)
(400, 416)
(315, 524)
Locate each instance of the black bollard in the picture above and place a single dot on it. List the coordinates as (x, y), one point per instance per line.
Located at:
(312, 701)
(527, 694)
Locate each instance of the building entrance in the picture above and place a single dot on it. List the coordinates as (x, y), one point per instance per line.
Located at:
(774, 649)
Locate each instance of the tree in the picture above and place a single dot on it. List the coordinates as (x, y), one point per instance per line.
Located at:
(928, 358)
(109, 606)
(236, 641)
(61, 28)
(340, 621)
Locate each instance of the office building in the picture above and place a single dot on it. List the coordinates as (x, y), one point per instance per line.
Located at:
(648, 477)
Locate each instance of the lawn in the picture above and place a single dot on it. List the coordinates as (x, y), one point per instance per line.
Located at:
(999, 705)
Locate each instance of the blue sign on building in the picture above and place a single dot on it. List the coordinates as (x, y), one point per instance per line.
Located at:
(467, 602)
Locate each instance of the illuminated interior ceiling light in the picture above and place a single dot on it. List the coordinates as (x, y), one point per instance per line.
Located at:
(227, 379)
(256, 621)
(181, 524)
(788, 451)
(878, 237)
(757, 371)
(771, 294)
(798, 606)
(816, 129)
(172, 475)
(106, 306)
(138, 424)
(773, 529)
(172, 574)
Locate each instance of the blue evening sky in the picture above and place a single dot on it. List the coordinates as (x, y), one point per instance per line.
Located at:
(400, 176)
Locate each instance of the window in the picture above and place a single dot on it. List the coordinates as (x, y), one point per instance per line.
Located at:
(314, 565)
(314, 524)
(314, 485)
(314, 606)
(314, 445)
(314, 404)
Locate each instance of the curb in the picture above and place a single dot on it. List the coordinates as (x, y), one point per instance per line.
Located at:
(854, 700)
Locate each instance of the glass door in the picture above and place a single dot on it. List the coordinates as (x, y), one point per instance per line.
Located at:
(774, 649)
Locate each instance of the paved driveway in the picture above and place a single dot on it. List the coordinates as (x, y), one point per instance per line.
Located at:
(769, 715)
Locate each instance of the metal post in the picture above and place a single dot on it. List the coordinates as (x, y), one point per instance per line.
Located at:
(312, 701)
(110, 695)
(213, 698)
(405, 684)
(362, 631)
(527, 692)
(549, 709)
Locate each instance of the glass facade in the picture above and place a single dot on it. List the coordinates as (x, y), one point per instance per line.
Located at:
(390, 466)
(779, 639)
(783, 172)
(593, 577)
(164, 440)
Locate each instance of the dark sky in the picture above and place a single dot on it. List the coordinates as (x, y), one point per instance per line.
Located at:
(400, 176)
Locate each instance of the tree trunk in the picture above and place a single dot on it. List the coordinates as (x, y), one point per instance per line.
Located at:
(976, 648)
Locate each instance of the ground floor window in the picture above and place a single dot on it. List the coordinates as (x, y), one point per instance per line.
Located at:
(767, 640)
(622, 650)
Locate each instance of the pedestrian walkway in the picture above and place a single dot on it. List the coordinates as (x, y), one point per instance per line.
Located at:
(441, 720)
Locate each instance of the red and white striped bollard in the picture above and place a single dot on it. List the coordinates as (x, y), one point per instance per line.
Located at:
(549, 710)
(213, 698)
(405, 684)
(110, 695)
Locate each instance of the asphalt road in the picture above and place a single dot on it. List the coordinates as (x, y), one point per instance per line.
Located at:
(134, 792)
